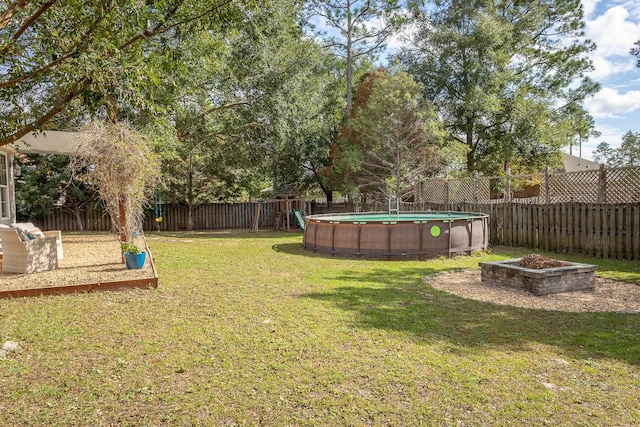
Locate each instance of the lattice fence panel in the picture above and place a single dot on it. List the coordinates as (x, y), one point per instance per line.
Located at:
(434, 191)
(622, 185)
(484, 190)
(461, 190)
(573, 187)
(527, 188)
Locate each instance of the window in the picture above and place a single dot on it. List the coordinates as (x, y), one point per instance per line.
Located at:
(4, 186)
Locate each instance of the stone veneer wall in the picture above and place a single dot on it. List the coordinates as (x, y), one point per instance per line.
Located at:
(574, 277)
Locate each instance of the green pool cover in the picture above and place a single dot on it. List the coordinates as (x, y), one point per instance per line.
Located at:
(403, 216)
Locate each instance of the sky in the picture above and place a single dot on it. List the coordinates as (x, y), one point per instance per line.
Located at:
(614, 25)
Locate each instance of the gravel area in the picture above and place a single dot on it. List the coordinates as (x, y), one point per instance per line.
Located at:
(88, 258)
(608, 296)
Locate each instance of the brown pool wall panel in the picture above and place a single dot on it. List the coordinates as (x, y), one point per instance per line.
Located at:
(406, 236)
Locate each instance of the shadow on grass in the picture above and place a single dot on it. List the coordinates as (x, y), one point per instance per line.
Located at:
(401, 301)
(290, 249)
(298, 249)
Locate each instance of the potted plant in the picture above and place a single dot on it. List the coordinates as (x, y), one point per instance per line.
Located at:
(134, 258)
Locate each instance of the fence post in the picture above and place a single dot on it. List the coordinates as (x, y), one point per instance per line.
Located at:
(547, 187)
(602, 185)
(475, 187)
(446, 192)
(507, 196)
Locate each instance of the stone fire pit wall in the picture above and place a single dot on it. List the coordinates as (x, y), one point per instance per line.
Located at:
(573, 277)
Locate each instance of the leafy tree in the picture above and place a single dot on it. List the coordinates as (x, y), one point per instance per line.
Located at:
(290, 84)
(60, 52)
(582, 126)
(528, 139)
(45, 181)
(635, 51)
(206, 157)
(392, 137)
(630, 149)
(257, 101)
(608, 155)
(207, 164)
(363, 27)
(503, 75)
(628, 154)
(309, 111)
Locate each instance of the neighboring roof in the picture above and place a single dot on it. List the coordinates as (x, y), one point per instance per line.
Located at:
(49, 142)
(577, 164)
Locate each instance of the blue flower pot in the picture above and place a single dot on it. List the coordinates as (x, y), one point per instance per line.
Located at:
(135, 261)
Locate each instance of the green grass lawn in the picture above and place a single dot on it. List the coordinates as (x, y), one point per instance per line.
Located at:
(250, 329)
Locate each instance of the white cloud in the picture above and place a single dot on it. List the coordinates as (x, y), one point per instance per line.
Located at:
(633, 6)
(614, 33)
(588, 6)
(604, 67)
(610, 103)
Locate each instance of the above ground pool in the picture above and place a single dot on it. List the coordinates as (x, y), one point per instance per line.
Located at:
(397, 235)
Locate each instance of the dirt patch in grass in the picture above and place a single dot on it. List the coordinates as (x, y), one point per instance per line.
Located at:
(608, 296)
(88, 258)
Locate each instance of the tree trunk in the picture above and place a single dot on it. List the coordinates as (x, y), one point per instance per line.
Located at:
(349, 60)
(328, 193)
(190, 221)
(78, 215)
(471, 154)
(398, 172)
(123, 222)
(190, 197)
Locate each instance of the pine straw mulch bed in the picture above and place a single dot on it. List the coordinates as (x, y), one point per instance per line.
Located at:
(608, 296)
(88, 258)
(538, 262)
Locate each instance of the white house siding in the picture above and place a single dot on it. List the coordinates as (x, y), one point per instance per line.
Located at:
(7, 189)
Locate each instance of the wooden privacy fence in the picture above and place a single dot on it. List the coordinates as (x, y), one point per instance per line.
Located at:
(592, 229)
(211, 216)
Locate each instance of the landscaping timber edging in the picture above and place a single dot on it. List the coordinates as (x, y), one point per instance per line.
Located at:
(118, 285)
